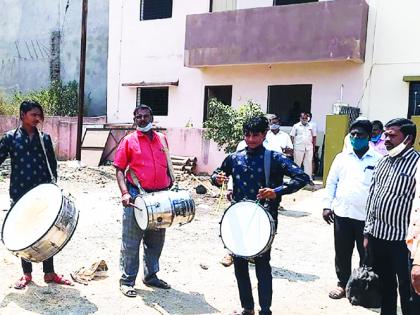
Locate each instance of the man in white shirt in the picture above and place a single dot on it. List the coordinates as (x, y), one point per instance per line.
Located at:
(277, 140)
(346, 193)
(312, 124)
(304, 141)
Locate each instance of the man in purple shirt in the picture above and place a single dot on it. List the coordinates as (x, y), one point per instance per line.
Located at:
(377, 139)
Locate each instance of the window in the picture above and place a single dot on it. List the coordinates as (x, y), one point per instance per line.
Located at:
(155, 9)
(222, 93)
(285, 2)
(222, 5)
(288, 101)
(414, 99)
(156, 98)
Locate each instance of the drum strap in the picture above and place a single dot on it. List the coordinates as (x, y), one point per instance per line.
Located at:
(41, 139)
(267, 167)
(171, 172)
(136, 182)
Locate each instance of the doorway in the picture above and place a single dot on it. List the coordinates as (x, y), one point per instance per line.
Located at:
(223, 93)
(288, 101)
(414, 99)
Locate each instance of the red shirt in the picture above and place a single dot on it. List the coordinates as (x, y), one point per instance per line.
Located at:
(146, 158)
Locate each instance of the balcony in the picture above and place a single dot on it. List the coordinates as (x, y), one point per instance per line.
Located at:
(310, 32)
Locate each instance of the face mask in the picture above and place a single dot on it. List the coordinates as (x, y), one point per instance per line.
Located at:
(398, 149)
(304, 122)
(274, 127)
(375, 138)
(145, 129)
(359, 143)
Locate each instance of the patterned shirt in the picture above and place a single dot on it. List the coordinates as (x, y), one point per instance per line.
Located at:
(391, 196)
(247, 170)
(28, 164)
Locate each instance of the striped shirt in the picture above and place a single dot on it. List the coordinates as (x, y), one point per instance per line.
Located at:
(391, 197)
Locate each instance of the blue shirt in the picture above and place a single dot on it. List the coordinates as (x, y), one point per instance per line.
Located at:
(28, 165)
(247, 170)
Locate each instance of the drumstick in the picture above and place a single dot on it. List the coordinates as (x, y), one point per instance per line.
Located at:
(134, 206)
(219, 202)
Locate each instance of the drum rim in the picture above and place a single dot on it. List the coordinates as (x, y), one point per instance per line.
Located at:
(67, 240)
(147, 213)
(55, 220)
(270, 217)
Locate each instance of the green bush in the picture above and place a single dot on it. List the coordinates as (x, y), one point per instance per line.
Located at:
(224, 124)
(56, 100)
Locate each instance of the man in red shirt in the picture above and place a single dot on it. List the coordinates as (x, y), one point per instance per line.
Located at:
(144, 154)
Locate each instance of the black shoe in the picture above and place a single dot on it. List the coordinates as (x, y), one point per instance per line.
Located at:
(157, 283)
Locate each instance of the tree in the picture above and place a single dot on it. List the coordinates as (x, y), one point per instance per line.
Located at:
(224, 123)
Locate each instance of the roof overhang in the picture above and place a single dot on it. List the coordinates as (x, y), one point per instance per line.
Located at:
(150, 84)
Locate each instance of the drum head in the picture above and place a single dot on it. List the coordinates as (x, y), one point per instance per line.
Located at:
(140, 213)
(245, 229)
(32, 216)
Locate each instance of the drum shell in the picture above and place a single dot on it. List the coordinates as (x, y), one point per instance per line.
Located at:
(165, 209)
(55, 238)
(263, 249)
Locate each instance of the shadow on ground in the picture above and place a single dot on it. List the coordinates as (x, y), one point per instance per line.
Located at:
(186, 303)
(294, 213)
(293, 276)
(52, 299)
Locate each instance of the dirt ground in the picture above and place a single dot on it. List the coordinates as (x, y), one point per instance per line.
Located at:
(302, 259)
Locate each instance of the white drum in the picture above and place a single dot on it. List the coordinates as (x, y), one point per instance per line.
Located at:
(40, 223)
(247, 229)
(162, 209)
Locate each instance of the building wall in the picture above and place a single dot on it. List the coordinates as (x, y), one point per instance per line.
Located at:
(392, 52)
(25, 50)
(157, 56)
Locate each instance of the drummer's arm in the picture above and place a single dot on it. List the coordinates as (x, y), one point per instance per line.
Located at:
(298, 178)
(224, 171)
(51, 155)
(4, 149)
(125, 196)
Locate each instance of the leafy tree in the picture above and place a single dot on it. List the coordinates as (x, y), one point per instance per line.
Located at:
(57, 100)
(224, 123)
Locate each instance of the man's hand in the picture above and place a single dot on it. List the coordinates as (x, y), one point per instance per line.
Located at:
(415, 278)
(266, 193)
(288, 151)
(229, 195)
(221, 178)
(328, 216)
(126, 199)
(366, 242)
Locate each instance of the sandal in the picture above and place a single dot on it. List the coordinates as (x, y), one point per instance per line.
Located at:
(337, 293)
(157, 283)
(227, 260)
(128, 290)
(58, 279)
(23, 282)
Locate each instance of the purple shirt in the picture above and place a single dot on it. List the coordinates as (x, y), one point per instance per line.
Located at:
(379, 146)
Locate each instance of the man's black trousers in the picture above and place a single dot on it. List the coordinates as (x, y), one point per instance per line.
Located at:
(265, 279)
(347, 232)
(47, 266)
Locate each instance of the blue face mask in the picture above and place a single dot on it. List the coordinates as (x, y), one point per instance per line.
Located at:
(359, 143)
(375, 138)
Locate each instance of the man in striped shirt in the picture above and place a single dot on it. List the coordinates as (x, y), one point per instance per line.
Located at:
(388, 211)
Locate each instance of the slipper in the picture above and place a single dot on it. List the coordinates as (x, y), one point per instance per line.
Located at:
(337, 293)
(128, 290)
(58, 279)
(23, 282)
(157, 283)
(227, 260)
